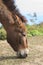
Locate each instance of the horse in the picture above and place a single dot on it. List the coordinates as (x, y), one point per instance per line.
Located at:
(14, 24)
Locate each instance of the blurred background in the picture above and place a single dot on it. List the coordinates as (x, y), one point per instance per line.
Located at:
(33, 11)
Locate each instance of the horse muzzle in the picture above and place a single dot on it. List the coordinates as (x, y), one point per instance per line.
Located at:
(23, 53)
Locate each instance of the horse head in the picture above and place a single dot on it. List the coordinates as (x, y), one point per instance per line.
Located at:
(16, 36)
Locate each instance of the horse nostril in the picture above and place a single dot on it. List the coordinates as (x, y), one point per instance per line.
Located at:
(24, 34)
(25, 55)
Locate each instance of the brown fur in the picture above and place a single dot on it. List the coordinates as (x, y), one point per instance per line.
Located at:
(12, 7)
(13, 25)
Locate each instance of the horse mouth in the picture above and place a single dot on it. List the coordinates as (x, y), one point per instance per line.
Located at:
(22, 53)
(22, 56)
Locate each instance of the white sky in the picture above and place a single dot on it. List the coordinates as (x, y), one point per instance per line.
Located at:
(30, 6)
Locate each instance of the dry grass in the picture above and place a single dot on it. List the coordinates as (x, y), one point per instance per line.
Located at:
(35, 56)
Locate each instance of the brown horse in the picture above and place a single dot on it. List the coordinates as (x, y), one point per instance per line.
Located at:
(14, 24)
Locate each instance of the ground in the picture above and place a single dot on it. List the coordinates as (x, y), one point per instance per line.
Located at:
(35, 56)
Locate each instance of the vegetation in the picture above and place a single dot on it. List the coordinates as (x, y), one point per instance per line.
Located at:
(31, 31)
(2, 33)
(34, 30)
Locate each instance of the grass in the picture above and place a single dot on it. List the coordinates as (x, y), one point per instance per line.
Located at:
(34, 30)
(2, 34)
(35, 56)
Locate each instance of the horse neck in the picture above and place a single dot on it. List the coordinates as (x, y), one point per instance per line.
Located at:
(5, 16)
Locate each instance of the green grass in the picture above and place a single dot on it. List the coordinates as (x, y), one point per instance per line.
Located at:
(34, 30)
(2, 34)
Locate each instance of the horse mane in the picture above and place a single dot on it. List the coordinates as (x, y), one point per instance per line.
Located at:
(12, 7)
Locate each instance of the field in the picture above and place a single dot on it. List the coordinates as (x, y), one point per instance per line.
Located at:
(35, 56)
